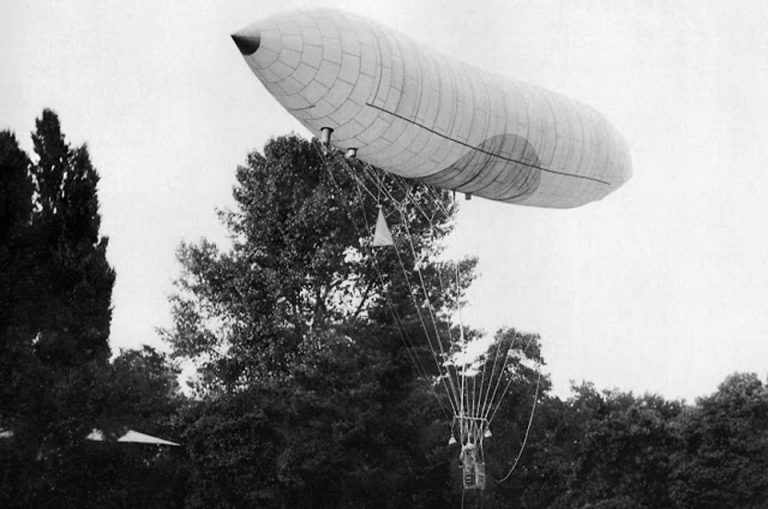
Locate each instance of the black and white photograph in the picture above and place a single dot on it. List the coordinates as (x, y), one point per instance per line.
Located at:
(354, 254)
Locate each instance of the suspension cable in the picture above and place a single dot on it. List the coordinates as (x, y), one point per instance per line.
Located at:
(452, 391)
(423, 285)
(490, 378)
(527, 431)
(420, 369)
(430, 219)
(498, 378)
(400, 207)
(478, 404)
(509, 383)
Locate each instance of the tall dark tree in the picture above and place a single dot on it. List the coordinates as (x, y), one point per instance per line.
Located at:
(75, 306)
(17, 267)
(15, 217)
(58, 285)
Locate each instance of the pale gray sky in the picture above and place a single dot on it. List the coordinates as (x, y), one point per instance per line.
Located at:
(661, 287)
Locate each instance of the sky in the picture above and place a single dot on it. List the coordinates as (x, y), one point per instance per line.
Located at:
(661, 287)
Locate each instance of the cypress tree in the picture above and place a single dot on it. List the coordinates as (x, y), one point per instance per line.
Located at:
(15, 216)
(76, 304)
(16, 287)
(55, 311)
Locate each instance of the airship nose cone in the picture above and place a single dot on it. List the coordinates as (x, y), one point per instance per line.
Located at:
(247, 44)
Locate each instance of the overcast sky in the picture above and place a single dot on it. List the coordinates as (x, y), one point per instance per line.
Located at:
(661, 287)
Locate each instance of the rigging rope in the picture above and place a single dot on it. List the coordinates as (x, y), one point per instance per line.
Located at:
(527, 431)
(374, 176)
(421, 370)
(467, 403)
(509, 383)
(452, 391)
(475, 406)
(498, 378)
(370, 171)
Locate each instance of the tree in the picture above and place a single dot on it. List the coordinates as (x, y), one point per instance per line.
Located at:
(299, 263)
(58, 285)
(724, 458)
(338, 437)
(526, 391)
(15, 216)
(17, 291)
(139, 391)
(302, 319)
(625, 451)
(76, 306)
(606, 449)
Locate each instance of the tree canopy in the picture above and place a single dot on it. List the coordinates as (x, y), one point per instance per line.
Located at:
(58, 288)
(319, 382)
(300, 265)
(55, 311)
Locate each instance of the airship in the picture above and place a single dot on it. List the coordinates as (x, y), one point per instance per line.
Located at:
(414, 112)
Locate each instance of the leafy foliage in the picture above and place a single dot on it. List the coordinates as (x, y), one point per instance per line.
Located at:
(724, 455)
(305, 374)
(55, 311)
(297, 320)
(300, 263)
(317, 383)
(56, 328)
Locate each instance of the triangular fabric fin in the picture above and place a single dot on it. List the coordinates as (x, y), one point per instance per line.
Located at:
(382, 236)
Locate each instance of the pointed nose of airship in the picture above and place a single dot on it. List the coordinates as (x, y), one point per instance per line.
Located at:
(247, 43)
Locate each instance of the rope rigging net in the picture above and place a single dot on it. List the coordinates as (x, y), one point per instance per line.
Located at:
(474, 386)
